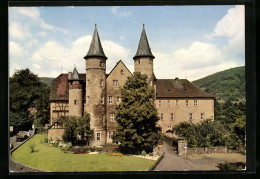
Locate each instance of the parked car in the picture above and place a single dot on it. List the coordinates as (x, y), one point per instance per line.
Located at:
(22, 135)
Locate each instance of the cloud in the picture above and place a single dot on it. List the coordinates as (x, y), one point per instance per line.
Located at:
(13, 67)
(54, 56)
(198, 55)
(33, 14)
(125, 13)
(232, 27)
(18, 31)
(232, 24)
(36, 66)
(114, 9)
(16, 50)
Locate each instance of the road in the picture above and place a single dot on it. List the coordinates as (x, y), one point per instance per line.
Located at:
(172, 162)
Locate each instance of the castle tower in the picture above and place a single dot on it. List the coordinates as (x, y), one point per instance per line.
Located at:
(96, 89)
(75, 94)
(143, 59)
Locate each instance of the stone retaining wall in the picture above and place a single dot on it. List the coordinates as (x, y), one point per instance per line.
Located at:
(207, 150)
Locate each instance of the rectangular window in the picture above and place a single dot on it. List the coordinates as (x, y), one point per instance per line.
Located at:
(169, 103)
(187, 103)
(122, 72)
(195, 103)
(101, 83)
(161, 116)
(172, 116)
(101, 64)
(138, 61)
(87, 99)
(190, 116)
(110, 100)
(110, 134)
(115, 83)
(202, 115)
(75, 102)
(160, 102)
(112, 117)
(102, 100)
(118, 100)
(98, 135)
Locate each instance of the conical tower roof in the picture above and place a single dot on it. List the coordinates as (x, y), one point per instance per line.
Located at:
(95, 49)
(74, 75)
(144, 49)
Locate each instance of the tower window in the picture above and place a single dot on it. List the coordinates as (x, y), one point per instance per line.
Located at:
(187, 102)
(87, 99)
(150, 61)
(102, 100)
(122, 72)
(161, 116)
(115, 83)
(75, 102)
(138, 61)
(98, 135)
(190, 116)
(112, 117)
(110, 99)
(101, 82)
(202, 115)
(172, 116)
(101, 64)
(195, 103)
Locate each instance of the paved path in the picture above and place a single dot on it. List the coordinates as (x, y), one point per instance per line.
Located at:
(172, 162)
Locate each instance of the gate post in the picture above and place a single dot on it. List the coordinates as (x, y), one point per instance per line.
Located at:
(181, 150)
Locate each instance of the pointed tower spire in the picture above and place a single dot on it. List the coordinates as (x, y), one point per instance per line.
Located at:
(144, 49)
(95, 49)
(74, 75)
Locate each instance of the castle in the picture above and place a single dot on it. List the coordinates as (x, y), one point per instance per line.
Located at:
(98, 93)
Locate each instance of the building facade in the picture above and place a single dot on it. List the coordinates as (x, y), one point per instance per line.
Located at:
(98, 93)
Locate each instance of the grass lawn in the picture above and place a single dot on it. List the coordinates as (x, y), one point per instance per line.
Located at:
(53, 159)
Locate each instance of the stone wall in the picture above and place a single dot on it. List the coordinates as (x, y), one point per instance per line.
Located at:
(55, 134)
(145, 67)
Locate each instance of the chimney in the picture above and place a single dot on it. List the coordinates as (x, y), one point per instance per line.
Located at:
(69, 75)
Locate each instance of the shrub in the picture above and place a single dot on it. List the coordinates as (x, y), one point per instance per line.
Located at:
(32, 147)
(150, 154)
(143, 153)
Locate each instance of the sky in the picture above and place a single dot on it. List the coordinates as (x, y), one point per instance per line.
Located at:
(188, 42)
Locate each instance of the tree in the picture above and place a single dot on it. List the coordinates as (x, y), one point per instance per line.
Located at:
(43, 106)
(136, 116)
(77, 126)
(24, 91)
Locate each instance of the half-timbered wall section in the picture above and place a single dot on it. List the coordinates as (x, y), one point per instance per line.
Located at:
(58, 109)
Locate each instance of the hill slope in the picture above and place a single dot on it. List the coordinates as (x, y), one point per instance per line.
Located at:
(228, 84)
(46, 80)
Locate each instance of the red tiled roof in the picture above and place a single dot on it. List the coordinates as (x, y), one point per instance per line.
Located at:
(60, 87)
(179, 88)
